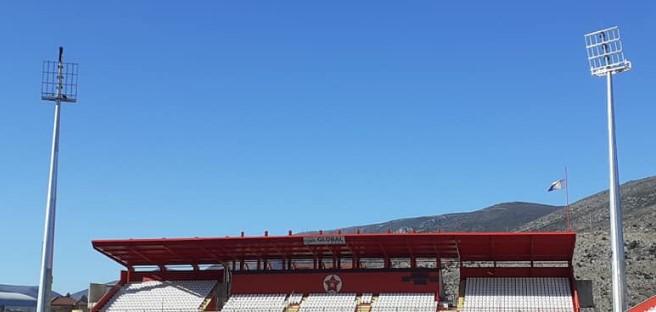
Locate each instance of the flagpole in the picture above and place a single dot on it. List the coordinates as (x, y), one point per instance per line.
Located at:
(567, 208)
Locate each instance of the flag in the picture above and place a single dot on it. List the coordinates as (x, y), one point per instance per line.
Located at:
(557, 185)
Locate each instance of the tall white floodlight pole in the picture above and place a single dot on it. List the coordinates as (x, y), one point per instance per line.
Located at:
(606, 58)
(58, 84)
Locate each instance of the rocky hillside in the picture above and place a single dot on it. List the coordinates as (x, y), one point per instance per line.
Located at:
(501, 217)
(592, 214)
(592, 262)
(590, 218)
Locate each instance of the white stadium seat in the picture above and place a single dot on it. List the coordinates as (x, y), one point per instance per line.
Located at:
(329, 303)
(160, 295)
(416, 302)
(547, 294)
(256, 303)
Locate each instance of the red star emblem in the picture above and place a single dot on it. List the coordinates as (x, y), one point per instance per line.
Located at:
(332, 283)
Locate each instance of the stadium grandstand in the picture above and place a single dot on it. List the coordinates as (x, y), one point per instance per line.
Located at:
(336, 272)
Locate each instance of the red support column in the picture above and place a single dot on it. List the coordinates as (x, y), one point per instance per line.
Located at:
(574, 290)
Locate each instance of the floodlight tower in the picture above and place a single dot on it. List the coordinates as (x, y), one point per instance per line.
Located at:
(606, 58)
(59, 85)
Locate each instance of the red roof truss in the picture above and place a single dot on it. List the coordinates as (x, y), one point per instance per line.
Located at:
(537, 246)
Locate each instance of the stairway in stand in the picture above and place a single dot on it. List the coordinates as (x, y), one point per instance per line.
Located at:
(363, 308)
(293, 308)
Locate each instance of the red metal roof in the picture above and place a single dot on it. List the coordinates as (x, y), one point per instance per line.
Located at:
(63, 301)
(538, 246)
(645, 306)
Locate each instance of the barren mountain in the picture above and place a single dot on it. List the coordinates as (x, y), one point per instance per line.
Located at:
(501, 217)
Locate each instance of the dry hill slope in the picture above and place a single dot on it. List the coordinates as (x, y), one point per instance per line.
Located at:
(501, 217)
(590, 218)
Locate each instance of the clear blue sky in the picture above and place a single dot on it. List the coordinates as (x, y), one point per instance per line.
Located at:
(206, 118)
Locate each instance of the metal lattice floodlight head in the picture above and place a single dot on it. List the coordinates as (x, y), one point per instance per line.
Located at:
(59, 81)
(605, 53)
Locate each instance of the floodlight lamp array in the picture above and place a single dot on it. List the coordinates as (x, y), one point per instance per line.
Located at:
(59, 84)
(605, 52)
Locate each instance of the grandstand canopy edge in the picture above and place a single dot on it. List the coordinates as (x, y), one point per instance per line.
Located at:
(526, 246)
